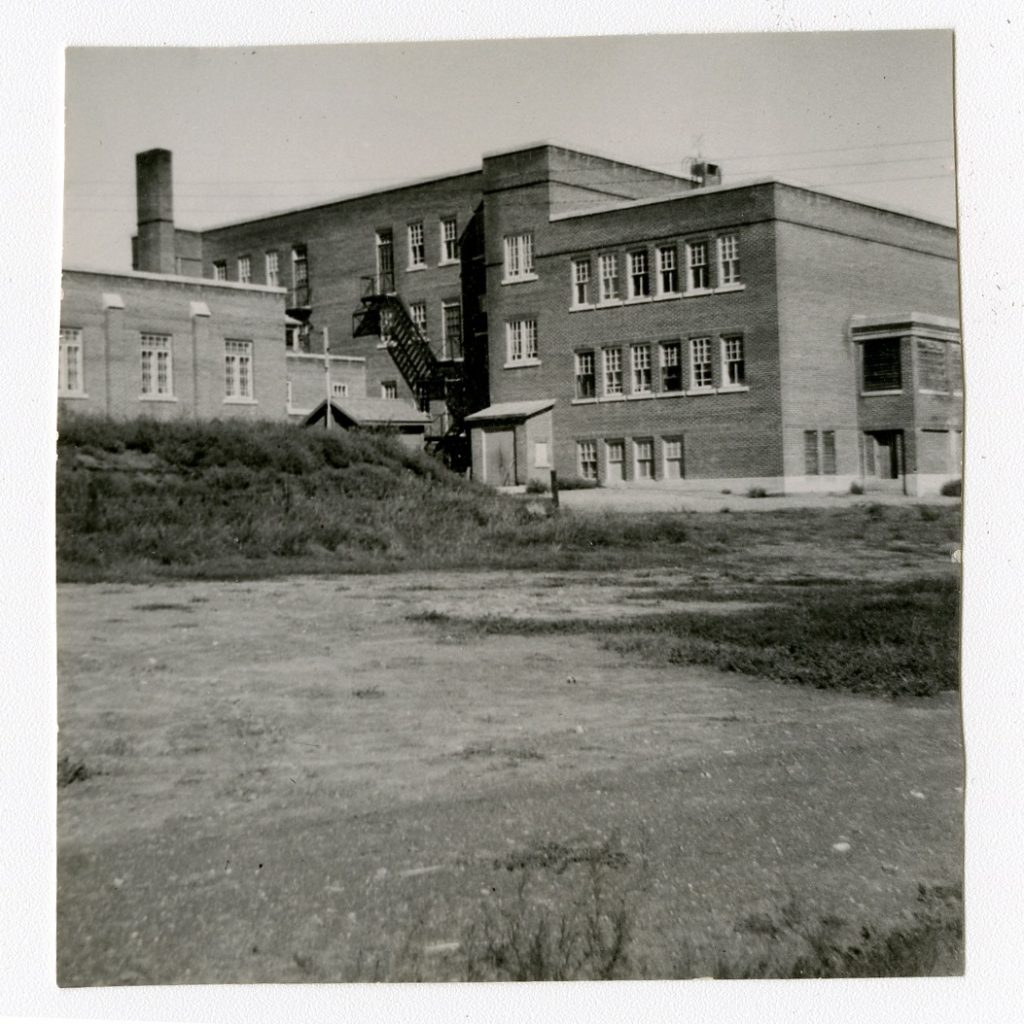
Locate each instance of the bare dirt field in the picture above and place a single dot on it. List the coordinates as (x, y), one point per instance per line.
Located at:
(292, 780)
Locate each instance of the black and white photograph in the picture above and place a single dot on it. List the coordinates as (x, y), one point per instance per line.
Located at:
(508, 512)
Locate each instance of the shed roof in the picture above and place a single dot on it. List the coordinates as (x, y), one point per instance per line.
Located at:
(511, 410)
(372, 412)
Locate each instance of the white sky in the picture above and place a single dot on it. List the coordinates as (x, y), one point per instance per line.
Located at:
(254, 130)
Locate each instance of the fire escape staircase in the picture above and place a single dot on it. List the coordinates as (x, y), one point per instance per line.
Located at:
(383, 314)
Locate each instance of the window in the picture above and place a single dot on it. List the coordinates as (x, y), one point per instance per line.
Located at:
(541, 459)
(586, 382)
(521, 340)
(238, 370)
(586, 456)
(612, 371)
(417, 250)
(449, 240)
(811, 452)
(697, 262)
(640, 356)
(518, 257)
(639, 282)
(451, 328)
(385, 261)
(245, 270)
(157, 377)
(668, 272)
(700, 364)
(293, 338)
(828, 452)
(616, 454)
(882, 367)
(339, 389)
(418, 313)
(272, 268)
(300, 276)
(673, 454)
(671, 366)
(220, 270)
(932, 374)
(389, 389)
(580, 283)
(609, 270)
(644, 450)
(71, 381)
(734, 372)
(728, 260)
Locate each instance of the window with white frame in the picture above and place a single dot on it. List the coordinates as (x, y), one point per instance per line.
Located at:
(672, 453)
(643, 449)
(612, 371)
(615, 454)
(639, 281)
(220, 270)
(608, 267)
(521, 341)
(519, 256)
(157, 372)
(417, 249)
(640, 357)
(418, 313)
(71, 380)
(728, 260)
(238, 383)
(586, 380)
(300, 276)
(244, 270)
(389, 389)
(671, 366)
(586, 458)
(451, 329)
(581, 283)
(449, 240)
(700, 364)
(668, 271)
(271, 262)
(734, 373)
(697, 267)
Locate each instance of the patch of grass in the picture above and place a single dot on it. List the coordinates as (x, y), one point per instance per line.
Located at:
(512, 755)
(158, 606)
(368, 693)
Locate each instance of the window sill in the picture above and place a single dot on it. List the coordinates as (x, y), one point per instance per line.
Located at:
(695, 292)
(414, 268)
(638, 300)
(72, 394)
(933, 391)
(521, 362)
(448, 263)
(694, 392)
(738, 287)
(583, 401)
(231, 400)
(670, 394)
(877, 394)
(608, 303)
(521, 279)
(612, 398)
(158, 398)
(634, 396)
(665, 296)
(729, 388)
(581, 309)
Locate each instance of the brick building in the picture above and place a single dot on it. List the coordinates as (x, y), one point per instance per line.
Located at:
(610, 322)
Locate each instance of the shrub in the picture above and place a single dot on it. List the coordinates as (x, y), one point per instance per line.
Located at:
(536, 487)
(856, 488)
(951, 489)
(757, 492)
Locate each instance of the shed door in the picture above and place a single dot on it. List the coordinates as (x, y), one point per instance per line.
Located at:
(499, 456)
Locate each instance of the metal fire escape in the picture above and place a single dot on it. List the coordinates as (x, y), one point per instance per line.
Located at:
(383, 314)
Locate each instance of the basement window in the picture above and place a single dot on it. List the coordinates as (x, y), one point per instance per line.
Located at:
(586, 457)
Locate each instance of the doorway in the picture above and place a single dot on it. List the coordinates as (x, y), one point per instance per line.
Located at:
(499, 456)
(884, 460)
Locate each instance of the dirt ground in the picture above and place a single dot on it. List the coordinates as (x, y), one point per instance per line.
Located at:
(291, 781)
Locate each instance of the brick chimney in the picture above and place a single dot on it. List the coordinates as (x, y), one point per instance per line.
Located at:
(706, 174)
(154, 249)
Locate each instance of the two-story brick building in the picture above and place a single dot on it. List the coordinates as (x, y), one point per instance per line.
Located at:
(610, 322)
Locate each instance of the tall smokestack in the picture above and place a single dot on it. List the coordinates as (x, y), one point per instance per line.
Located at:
(153, 189)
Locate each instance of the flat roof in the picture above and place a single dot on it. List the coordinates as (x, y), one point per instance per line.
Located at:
(207, 282)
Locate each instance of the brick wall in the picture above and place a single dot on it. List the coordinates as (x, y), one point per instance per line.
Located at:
(113, 311)
(306, 377)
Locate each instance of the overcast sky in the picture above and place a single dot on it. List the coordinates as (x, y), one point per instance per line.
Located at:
(868, 115)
